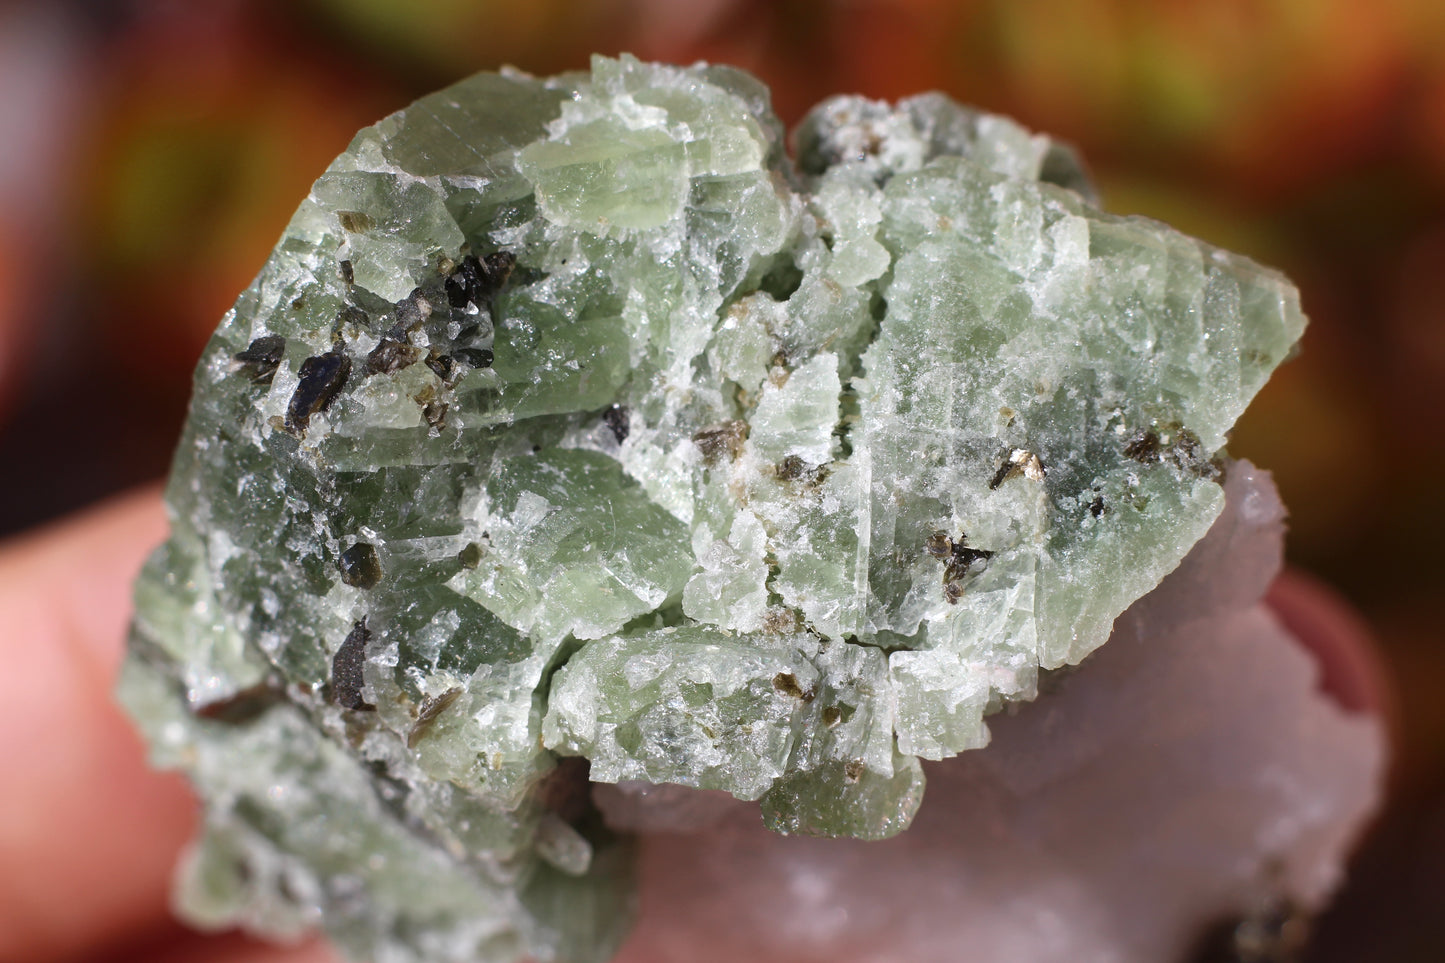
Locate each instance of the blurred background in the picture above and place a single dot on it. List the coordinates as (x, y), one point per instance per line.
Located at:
(152, 150)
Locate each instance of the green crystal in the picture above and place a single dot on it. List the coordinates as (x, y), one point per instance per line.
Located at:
(573, 418)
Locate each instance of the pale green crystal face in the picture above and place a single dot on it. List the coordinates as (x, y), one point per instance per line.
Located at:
(570, 418)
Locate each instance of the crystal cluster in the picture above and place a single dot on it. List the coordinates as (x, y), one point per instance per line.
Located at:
(575, 431)
(1186, 796)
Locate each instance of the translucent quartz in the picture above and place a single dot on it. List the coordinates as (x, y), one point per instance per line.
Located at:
(571, 418)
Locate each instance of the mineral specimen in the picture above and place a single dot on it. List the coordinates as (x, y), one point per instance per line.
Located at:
(1188, 778)
(574, 431)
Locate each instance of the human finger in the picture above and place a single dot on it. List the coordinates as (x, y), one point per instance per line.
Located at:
(232, 948)
(1351, 669)
(88, 833)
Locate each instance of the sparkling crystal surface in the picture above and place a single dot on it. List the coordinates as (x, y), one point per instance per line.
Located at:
(572, 419)
(1191, 777)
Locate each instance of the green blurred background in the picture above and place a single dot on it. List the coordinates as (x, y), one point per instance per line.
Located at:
(150, 153)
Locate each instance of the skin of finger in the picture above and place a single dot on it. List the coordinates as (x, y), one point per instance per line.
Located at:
(234, 948)
(88, 833)
(1351, 668)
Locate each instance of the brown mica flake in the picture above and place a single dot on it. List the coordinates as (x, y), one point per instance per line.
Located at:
(261, 358)
(795, 470)
(427, 712)
(476, 280)
(1188, 454)
(355, 222)
(787, 684)
(959, 558)
(350, 322)
(1143, 447)
(724, 439)
(1018, 463)
(243, 706)
(1179, 447)
(444, 366)
(389, 356)
(411, 313)
(434, 413)
(780, 620)
(475, 357)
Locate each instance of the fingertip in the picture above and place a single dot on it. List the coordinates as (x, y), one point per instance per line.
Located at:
(87, 841)
(234, 947)
(73, 577)
(1352, 669)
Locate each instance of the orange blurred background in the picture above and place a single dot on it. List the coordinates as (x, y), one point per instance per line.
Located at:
(152, 150)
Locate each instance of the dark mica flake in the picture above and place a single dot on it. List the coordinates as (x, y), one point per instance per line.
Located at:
(963, 559)
(389, 356)
(793, 469)
(476, 357)
(350, 317)
(243, 706)
(320, 380)
(346, 669)
(435, 413)
(960, 560)
(477, 280)
(360, 566)
(1188, 454)
(1001, 475)
(1019, 462)
(411, 313)
(724, 439)
(939, 545)
(431, 707)
(790, 468)
(785, 683)
(355, 222)
(619, 421)
(261, 358)
(442, 365)
(1143, 447)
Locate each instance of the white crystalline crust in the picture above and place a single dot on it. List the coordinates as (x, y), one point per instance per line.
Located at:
(1189, 774)
(573, 423)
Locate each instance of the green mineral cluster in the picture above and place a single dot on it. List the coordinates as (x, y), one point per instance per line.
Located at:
(575, 430)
